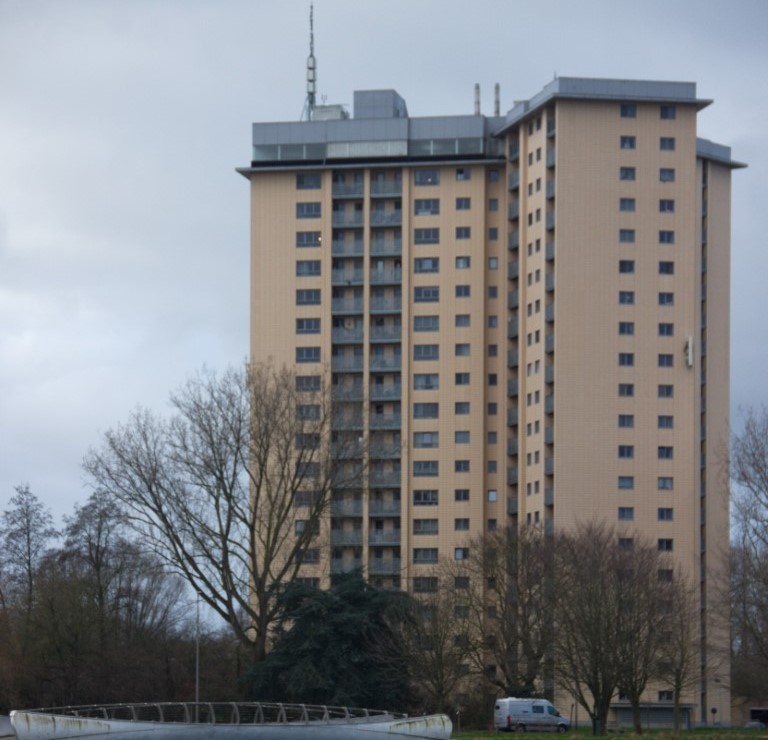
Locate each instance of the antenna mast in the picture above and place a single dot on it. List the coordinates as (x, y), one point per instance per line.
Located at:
(309, 105)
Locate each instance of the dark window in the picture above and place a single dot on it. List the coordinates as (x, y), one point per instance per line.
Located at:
(426, 294)
(668, 112)
(463, 232)
(626, 266)
(427, 497)
(667, 174)
(426, 323)
(426, 177)
(426, 352)
(626, 328)
(426, 264)
(306, 383)
(627, 142)
(426, 236)
(426, 206)
(307, 326)
(626, 297)
(628, 110)
(308, 181)
(667, 143)
(626, 390)
(308, 210)
(307, 268)
(666, 391)
(308, 297)
(666, 237)
(666, 330)
(666, 268)
(307, 238)
(626, 173)
(626, 204)
(307, 354)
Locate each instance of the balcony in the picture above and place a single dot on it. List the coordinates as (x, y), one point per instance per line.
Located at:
(384, 537)
(387, 276)
(513, 299)
(385, 421)
(347, 393)
(387, 509)
(549, 374)
(513, 358)
(549, 496)
(347, 450)
(512, 447)
(512, 476)
(343, 565)
(347, 248)
(390, 392)
(550, 189)
(550, 157)
(549, 313)
(347, 363)
(513, 329)
(513, 211)
(550, 250)
(347, 537)
(549, 403)
(384, 479)
(386, 304)
(513, 271)
(386, 188)
(549, 343)
(346, 508)
(514, 180)
(342, 422)
(347, 190)
(513, 241)
(512, 388)
(340, 335)
(347, 305)
(512, 417)
(549, 435)
(549, 466)
(347, 219)
(385, 363)
(386, 333)
(346, 277)
(384, 451)
(386, 218)
(550, 220)
(512, 507)
(550, 282)
(387, 247)
(384, 566)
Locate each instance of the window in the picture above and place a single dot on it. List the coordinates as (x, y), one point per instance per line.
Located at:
(426, 294)
(493, 234)
(426, 206)
(493, 322)
(664, 575)
(626, 421)
(426, 410)
(461, 553)
(308, 297)
(667, 174)
(668, 112)
(426, 351)
(306, 383)
(627, 142)
(666, 330)
(462, 291)
(493, 379)
(462, 319)
(463, 173)
(308, 210)
(426, 323)
(425, 584)
(461, 437)
(666, 299)
(666, 360)
(307, 326)
(666, 453)
(426, 381)
(665, 514)
(627, 236)
(626, 328)
(493, 350)
(463, 232)
(425, 555)
(307, 268)
(628, 110)
(426, 236)
(308, 181)
(461, 525)
(461, 408)
(666, 268)
(666, 205)
(626, 266)
(307, 239)
(666, 391)
(462, 263)
(426, 264)
(425, 526)
(493, 409)
(308, 411)
(627, 204)
(665, 483)
(626, 390)
(426, 177)
(626, 482)
(462, 350)
(425, 468)
(307, 354)
(461, 494)
(462, 378)
(426, 439)
(626, 297)
(626, 513)
(626, 359)
(626, 452)
(626, 173)
(493, 175)
(626, 543)
(461, 466)
(462, 204)
(492, 495)
(461, 583)
(667, 143)
(425, 497)
(665, 545)
(666, 237)
(665, 422)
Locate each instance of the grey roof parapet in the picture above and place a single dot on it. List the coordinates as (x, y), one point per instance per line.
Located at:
(585, 88)
(707, 149)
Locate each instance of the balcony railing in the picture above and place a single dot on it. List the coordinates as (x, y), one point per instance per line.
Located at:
(386, 537)
(384, 508)
(391, 276)
(347, 305)
(386, 303)
(382, 451)
(387, 247)
(391, 392)
(385, 421)
(347, 508)
(339, 334)
(386, 333)
(386, 218)
(342, 219)
(347, 363)
(384, 566)
(341, 565)
(386, 188)
(348, 190)
(384, 478)
(346, 277)
(393, 362)
(347, 247)
(346, 537)
(347, 393)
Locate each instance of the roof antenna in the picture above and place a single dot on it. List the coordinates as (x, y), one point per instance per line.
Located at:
(309, 104)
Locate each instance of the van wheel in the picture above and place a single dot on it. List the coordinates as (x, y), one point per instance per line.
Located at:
(561, 729)
(520, 728)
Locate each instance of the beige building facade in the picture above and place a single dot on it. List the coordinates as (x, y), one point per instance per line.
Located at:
(525, 316)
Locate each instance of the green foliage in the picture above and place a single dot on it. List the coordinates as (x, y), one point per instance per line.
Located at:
(338, 647)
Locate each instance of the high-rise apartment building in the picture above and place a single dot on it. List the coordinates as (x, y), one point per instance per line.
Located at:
(527, 315)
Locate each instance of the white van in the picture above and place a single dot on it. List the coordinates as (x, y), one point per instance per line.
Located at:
(528, 715)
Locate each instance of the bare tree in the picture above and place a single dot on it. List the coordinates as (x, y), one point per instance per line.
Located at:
(212, 489)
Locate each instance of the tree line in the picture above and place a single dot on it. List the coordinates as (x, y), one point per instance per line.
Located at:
(227, 497)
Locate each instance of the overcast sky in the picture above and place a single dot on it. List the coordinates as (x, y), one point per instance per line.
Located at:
(124, 227)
